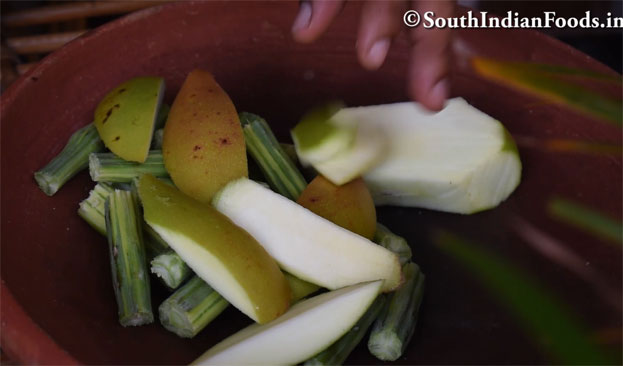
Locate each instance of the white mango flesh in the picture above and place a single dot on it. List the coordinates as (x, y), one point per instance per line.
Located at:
(303, 243)
(219, 252)
(368, 148)
(335, 141)
(303, 331)
(457, 160)
(316, 138)
(341, 153)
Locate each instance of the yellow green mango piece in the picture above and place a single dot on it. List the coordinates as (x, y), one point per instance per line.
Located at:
(221, 253)
(125, 117)
(350, 205)
(203, 144)
(299, 288)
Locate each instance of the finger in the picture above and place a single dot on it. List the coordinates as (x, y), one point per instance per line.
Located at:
(314, 18)
(430, 57)
(380, 22)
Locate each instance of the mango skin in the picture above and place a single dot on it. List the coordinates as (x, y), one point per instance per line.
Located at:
(349, 205)
(246, 260)
(203, 144)
(299, 288)
(126, 116)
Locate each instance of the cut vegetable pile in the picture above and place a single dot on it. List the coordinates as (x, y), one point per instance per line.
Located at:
(174, 197)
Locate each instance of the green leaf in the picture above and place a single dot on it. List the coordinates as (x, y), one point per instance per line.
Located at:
(552, 83)
(561, 71)
(575, 146)
(586, 219)
(546, 318)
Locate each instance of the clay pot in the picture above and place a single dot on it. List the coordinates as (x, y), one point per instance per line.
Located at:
(57, 301)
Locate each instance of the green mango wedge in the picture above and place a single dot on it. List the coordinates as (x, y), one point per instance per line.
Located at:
(225, 256)
(126, 116)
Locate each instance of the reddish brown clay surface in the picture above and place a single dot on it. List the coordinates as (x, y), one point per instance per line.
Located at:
(57, 301)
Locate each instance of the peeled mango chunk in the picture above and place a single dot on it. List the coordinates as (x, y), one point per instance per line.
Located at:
(457, 160)
(317, 139)
(339, 152)
(126, 116)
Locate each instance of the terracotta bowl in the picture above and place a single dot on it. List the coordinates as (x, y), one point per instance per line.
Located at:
(57, 302)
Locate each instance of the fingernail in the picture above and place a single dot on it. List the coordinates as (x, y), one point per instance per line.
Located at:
(303, 18)
(378, 52)
(439, 93)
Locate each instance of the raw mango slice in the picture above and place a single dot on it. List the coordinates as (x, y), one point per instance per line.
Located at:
(339, 152)
(126, 116)
(226, 257)
(203, 145)
(457, 160)
(349, 205)
(306, 329)
(304, 244)
(317, 138)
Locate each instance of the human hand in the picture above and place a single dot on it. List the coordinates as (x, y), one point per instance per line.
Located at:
(380, 22)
